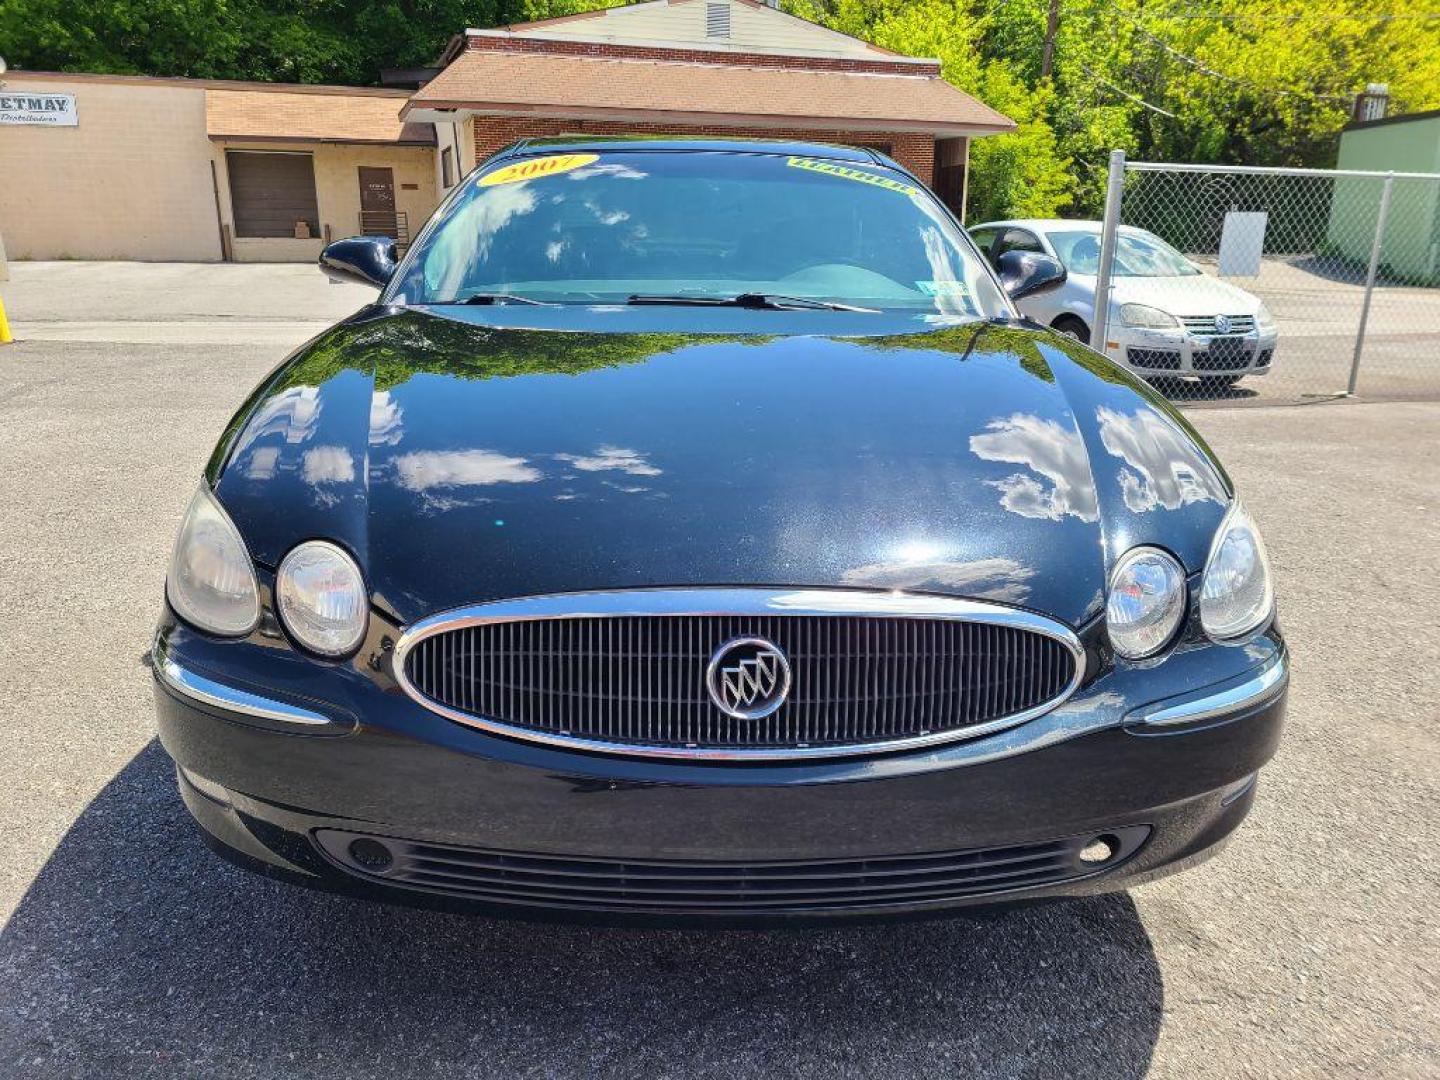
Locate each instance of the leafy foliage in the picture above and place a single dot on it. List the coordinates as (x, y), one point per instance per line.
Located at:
(345, 42)
(1266, 82)
(1230, 81)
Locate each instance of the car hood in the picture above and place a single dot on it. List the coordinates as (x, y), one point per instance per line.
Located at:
(461, 461)
(1197, 295)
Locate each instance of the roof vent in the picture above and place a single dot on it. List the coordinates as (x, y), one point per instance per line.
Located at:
(717, 20)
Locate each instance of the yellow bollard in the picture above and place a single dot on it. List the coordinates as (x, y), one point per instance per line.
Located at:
(4, 326)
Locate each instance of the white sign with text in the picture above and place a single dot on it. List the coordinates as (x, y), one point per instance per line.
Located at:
(24, 107)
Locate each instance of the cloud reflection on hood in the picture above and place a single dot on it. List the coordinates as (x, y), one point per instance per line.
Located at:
(425, 469)
(1055, 453)
(607, 458)
(387, 419)
(328, 465)
(292, 414)
(1162, 469)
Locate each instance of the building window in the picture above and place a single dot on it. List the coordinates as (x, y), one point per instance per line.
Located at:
(271, 193)
(447, 168)
(717, 20)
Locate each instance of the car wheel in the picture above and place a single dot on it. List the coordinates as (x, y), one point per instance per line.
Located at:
(1072, 327)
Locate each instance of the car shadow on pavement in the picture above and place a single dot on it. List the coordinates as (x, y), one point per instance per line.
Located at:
(138, 952)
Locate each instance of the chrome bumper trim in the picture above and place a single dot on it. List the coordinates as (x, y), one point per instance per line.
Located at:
(197, 687)
(1255, 690)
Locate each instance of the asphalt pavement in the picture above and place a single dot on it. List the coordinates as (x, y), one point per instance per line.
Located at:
(1310, 947)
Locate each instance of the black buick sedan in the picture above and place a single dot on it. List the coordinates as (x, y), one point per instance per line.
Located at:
(694, 530)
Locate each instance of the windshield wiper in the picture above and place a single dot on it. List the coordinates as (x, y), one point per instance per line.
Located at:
(499, 298)
(755, 300)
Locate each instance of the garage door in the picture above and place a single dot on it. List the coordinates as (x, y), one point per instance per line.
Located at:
(270, 192)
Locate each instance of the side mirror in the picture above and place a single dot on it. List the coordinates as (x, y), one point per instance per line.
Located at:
(370, 259)
(1024, 273)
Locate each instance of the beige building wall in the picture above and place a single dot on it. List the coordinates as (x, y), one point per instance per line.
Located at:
(452, 135)
(337, 193)
(132, 181)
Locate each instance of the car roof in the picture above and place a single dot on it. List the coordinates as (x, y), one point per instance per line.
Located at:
(604, 143)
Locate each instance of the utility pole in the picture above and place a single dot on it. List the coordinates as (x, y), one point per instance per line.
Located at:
(1052, 27)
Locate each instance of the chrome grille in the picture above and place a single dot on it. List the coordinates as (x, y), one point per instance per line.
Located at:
(637, 682)
(1205, 324)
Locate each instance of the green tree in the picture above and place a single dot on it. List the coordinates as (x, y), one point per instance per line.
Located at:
(1022, 174)
(1227, 81)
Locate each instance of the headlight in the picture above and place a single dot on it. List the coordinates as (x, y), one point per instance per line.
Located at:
(1149, 317)
(1263, 318)
(1146, 602)
(211, 582)
(1236, 595)
(320, 596)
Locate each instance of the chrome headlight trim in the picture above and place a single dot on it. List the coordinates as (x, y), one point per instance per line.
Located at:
(1251, 691)
(190, 683)
(734, 601)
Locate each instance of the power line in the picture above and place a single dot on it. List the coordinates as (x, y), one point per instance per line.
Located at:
(1126, 94)
(1358, 16)
(1206, 70)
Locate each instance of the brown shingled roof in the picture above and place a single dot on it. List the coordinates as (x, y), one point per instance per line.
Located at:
(365, 117)
(545, 84)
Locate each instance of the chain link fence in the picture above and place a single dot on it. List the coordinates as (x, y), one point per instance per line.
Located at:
(1311, 283)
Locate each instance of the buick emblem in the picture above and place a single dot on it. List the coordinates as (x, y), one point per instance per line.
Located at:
(748, 678)
(1222, 324)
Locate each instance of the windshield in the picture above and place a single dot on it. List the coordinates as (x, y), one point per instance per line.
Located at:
(603, 228)
(1137, 254)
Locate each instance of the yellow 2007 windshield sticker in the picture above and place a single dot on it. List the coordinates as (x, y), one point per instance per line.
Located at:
(845, 172)
(535, 168)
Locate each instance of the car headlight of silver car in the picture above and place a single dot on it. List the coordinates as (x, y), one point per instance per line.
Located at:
(321, 598)
(1146, 602)
(211, 581)
(1149, 318)
(1236, 594)
(1263, 319)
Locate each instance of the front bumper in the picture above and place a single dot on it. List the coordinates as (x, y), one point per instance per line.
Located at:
(1159, 759)
(1182, 353)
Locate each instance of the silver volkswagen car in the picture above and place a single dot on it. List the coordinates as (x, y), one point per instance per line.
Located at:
(1167, 316)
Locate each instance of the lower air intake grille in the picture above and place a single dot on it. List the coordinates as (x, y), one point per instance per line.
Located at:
(1224, 354)
(720, 888)
(1153, 359)
(637, 683)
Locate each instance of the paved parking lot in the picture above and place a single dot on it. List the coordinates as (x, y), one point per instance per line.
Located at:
(1309, 948)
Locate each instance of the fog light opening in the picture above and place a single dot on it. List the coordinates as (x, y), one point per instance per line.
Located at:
(370, 854)
(1100, 850)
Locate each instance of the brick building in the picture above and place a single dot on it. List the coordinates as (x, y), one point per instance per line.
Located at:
(706, 67)
(125, 167)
